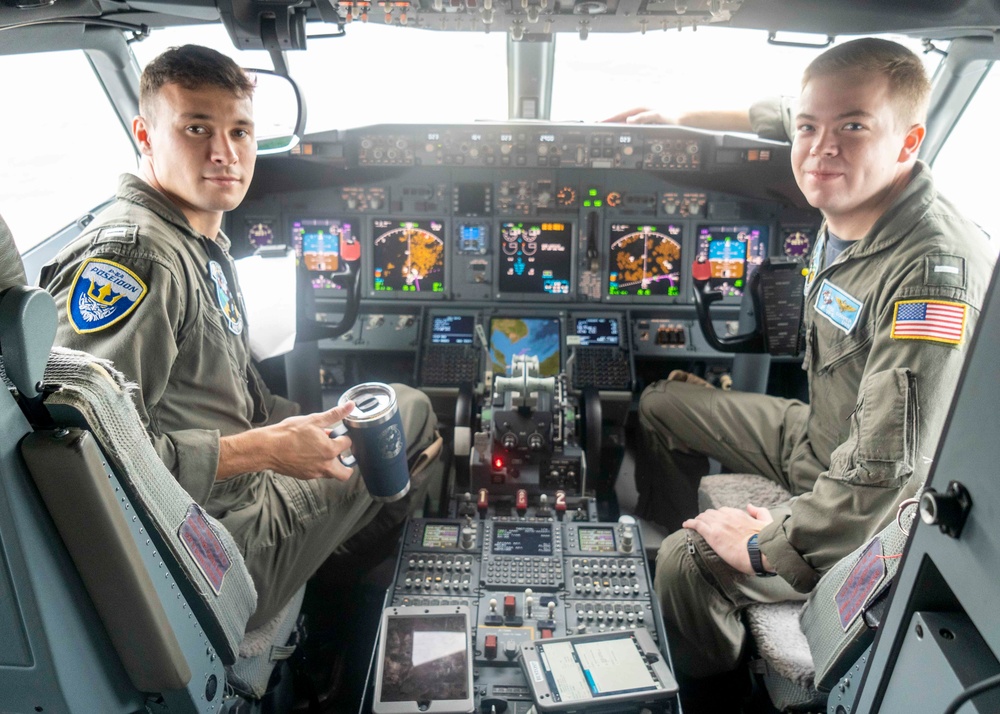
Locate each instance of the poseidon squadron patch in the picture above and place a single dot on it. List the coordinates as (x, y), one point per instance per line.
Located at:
(102, 293)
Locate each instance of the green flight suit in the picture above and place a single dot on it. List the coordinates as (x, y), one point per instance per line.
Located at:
(142, 288)
(881, 380)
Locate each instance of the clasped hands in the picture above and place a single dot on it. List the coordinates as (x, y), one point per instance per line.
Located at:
(727, 531)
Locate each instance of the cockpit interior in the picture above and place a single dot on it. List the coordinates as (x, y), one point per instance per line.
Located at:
(531, 268)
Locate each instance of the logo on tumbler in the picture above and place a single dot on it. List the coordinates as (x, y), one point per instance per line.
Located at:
(390, 442)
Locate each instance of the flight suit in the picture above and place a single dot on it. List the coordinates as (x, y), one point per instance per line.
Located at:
(142, 288)
(881, 379)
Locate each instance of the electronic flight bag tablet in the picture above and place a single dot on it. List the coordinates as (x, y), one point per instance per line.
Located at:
(602, 671)
(424, 661)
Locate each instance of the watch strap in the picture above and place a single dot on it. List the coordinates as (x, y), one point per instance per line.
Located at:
(756, 561)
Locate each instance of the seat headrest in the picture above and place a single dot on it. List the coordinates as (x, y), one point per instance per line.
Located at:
(11, 267)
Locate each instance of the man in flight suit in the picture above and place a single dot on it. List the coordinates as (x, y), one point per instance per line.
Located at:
(894, 290)
(151, 286)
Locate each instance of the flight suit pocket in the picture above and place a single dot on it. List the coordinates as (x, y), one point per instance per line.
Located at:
(880, 450)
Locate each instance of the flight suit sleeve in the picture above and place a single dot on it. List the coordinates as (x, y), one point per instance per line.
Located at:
(771, 118)
(142, 339)
(905, 393)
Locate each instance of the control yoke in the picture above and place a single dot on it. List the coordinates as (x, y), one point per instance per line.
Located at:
(776, 289)
(310, 329)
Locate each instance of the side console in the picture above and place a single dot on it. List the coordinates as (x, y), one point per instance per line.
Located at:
(523, 579)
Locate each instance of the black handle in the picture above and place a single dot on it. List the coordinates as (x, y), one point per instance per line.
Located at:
(750, 342)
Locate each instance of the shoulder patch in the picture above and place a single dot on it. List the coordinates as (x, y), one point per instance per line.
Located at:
(121, 233)
(944, 270)
(838, 306)
(102, 294)
(932, 320)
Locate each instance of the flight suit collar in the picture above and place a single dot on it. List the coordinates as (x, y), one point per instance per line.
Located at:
(135, 190)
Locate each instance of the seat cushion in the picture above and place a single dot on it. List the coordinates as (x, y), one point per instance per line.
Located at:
(736, 490)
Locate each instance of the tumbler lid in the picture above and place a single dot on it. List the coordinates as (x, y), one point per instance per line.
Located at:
(374, 402)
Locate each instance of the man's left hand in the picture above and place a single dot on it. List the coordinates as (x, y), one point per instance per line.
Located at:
(727, 531)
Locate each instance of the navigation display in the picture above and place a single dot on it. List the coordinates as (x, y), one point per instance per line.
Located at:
(324, 245)
(733, 254)
(440, 535)
(645, 260)
(453, 329)
(522, 539)
(536, 258)
(532, 336)
(597, 331)
(408, 256)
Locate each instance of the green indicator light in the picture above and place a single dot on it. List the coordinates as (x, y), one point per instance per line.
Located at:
(739, 283)
(592, 192)
(586, 204)
(597, 204)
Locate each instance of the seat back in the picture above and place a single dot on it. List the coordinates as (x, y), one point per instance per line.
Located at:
(114, 584)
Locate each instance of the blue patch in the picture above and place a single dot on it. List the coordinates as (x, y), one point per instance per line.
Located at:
(102, 294)
(230, 308)
(838, 307)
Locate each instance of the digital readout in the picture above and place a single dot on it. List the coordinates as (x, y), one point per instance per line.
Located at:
(597, 540)
(440, 535)
(522, 539)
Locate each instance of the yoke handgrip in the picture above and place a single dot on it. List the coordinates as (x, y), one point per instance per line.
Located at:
(750, 342)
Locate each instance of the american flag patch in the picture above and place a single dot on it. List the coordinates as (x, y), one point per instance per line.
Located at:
(934, 320)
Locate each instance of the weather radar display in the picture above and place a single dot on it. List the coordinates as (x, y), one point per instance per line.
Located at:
(408, 256)
(645, 260)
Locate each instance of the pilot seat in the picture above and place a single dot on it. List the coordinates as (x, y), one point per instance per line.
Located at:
(118, 593)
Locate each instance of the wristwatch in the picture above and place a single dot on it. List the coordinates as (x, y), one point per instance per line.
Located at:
(756, 562)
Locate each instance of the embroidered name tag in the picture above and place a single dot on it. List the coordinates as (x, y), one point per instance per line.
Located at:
(861, 582)
(837, 306)
(933, 320)
(204, 546)
(102, 294)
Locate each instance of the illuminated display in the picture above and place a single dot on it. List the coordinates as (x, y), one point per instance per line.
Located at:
(324, 245)
(440, 535)
(733, 254)
(260, 232)
(645, 260)
(795, 242)
(453, 329)
(408, 256)
(522, 539)
(597, 540)
(473, 238)
(597, 331)
(532, 336)
(536, 258)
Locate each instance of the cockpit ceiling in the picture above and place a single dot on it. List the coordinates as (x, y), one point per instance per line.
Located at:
(287, 23)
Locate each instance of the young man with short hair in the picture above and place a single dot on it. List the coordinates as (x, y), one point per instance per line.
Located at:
(151, 286)
(895, 287)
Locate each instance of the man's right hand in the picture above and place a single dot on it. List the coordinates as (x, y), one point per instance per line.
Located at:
(299, 446)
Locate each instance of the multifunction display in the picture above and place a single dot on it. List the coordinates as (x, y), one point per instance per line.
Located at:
(597, 540)
(440, 535)
(522, 539)
(408, 256)
(530, 336)
(453, 329)
(535, 258)
(324, 245)
(733, 254)
(645, 260)
(597, 331)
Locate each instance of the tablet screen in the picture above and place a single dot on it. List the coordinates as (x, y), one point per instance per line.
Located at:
(425, 658)
(582, 671)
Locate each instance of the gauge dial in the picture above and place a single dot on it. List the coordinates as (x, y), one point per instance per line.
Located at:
(260, 233)
(796, 243)
(566, 196)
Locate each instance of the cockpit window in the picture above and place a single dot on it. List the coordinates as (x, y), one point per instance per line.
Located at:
(377, 74)
(969, 155)
(62, 148)
(679, 71)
